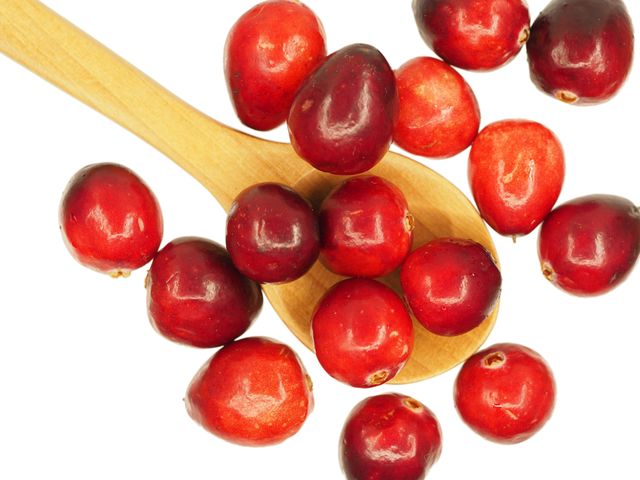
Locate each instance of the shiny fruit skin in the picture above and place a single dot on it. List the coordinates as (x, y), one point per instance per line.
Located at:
(389, 437)
(451, 285)
(505, 393)
(342, 118)
(438, 114)
(589, 245)
(272, 233)
(581, 51)
(253, 392)
(269, 52)
(110, 220)
(362, 333)
(473, 34)
(366, 228)
(195, 295)
(516, 172)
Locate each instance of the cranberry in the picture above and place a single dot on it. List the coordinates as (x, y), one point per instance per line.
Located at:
(197, 297)
(473, 34)
(439, 115)
(110, 220)
(272, 233)
(505, 393)
(580, 51)
(516, 172)
(362, 333)
(253, 392)
(451, 285)
(390, 436)
(366, 228)
(589, 245)
(341, 120)
(269, 52)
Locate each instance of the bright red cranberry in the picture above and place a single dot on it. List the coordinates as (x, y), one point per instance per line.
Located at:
(451, 285)
(253, 392)
(473, 34)
(272, 233)
(589, 245)
(269, 52)
(438, 115)
(362, 333)
(516, 172)
(505, 393)
(366, 228)
(110, 220)
(390, 436)
(342, 118)
(580, 51)
(197, 297)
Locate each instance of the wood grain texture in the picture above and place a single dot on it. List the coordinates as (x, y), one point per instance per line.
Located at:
(226, 161)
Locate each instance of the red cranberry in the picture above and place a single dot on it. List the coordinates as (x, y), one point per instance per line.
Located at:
(197, 297)
(110, 220)
(516, 172)
(473, 34)
(269, 52)
(362, 333)
(272, 233)
(390, 436)
(252, 392)
(342, 118)
(451, 285)
(439, 115)
(580, 51)
(505, 393)
(589, 245)
(366, 228)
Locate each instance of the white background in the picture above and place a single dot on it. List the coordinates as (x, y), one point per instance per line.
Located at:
(90, 391)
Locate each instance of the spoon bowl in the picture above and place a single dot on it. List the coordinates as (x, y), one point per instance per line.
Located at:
(227, 161)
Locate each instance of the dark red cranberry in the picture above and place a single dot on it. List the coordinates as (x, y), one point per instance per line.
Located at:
(366, 228)
(580, 51)
(253, 392)
(451, 285)
(589, 245)
(472, 34)
(505, 393)
(390, 436)
(272, 233)
(341, 120)
(362, 333)
(269, 52)
(516, 172)
(439, 115)
(110, 220)
(197, 297)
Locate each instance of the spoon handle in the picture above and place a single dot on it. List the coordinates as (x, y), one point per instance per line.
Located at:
(222, 159)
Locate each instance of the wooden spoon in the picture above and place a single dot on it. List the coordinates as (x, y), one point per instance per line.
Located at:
(226, 161)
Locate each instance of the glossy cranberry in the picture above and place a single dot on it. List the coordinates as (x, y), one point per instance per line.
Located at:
(269, 52)
(253, 392)
(580, 51)
(505, 393)
(389, 437)
(365, 227)
(589, 245)
(110, 220)
(272, 233)
(362, 333)
(473, 34)
(341, 120)
(451, 285)
(516, 172)
(197, 297)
